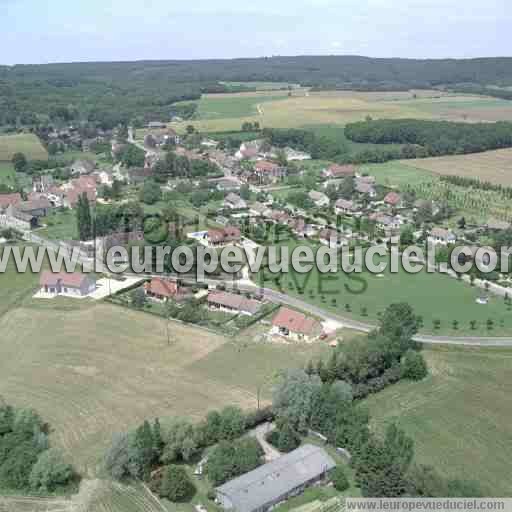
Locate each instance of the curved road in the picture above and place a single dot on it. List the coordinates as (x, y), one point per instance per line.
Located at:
(281, 298)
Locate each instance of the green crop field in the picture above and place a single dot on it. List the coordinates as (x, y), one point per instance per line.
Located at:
(224, 112)
(215, 106)
(27, 144)
(432, 295)
(459, 416)
(7, 174)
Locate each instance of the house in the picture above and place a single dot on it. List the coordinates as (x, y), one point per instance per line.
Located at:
(294, 325)
(234, 202)
(105, 177)
(345, 207)
(35, 207)
(294, 155)
(209, 143)
(339, 171)
(319, 198)
(172, 137)
(386, 223)
(9, 199)
(249, 150)
(72, 190)
(14, 218)
(279, 217)
(258, 209)
(274, 482)
(441, 236)
(332, 238)
(497, 225)
(266, 171)
(393, 199)
(233, 303)
(72, 284)
(156, 125)
(42, 184)
(365, 188)
(227, 184)
(229, 235)
(82, 167)
(161, 290)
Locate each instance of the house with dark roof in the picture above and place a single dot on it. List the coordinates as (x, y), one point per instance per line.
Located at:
(234, 202)
(345, 207)
(82, 167)
(294, 325)
(232, 303)
(12, 217)
(275, 482)
(74, 284)
(441, 236)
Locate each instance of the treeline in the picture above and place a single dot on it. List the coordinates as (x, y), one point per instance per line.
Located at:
(462, 181)
(319, 147)
(109, 93)
(432, 138)
(154, 453)
(495, 92)
(324, 400)
(27, 463)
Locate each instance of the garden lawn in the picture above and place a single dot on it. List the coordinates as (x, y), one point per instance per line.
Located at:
(432, 295)
(7, 175)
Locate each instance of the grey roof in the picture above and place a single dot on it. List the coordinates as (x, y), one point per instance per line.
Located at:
(273, 482)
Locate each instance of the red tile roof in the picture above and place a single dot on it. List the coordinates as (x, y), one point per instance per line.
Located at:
(266, 166)
(294, 321)
(162, 287)
(392, 198)
(228, 234)
(337, 170)
(71, 280)
(233, 301)
(8, 199)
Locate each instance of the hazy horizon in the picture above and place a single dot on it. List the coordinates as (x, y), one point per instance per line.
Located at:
(127, 31)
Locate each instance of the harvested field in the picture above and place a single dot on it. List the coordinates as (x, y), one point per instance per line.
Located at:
(101, 369)
(463, 108)
(492, 166)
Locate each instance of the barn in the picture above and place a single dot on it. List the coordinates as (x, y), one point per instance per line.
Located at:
(275, 482)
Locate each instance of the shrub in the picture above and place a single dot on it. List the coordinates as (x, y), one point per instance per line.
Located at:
(339, 479)
(176, 485)
(50, 471)
(413, 366)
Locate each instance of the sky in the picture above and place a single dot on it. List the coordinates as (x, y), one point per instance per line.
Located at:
(36, 31)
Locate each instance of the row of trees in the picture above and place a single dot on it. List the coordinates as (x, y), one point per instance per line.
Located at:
(177, 166)
(432, 138)
(151, 452)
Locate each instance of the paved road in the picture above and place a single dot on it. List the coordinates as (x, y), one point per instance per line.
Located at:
(281, 298)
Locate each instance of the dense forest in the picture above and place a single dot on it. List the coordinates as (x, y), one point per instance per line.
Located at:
(109, 93)
(432, 138)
